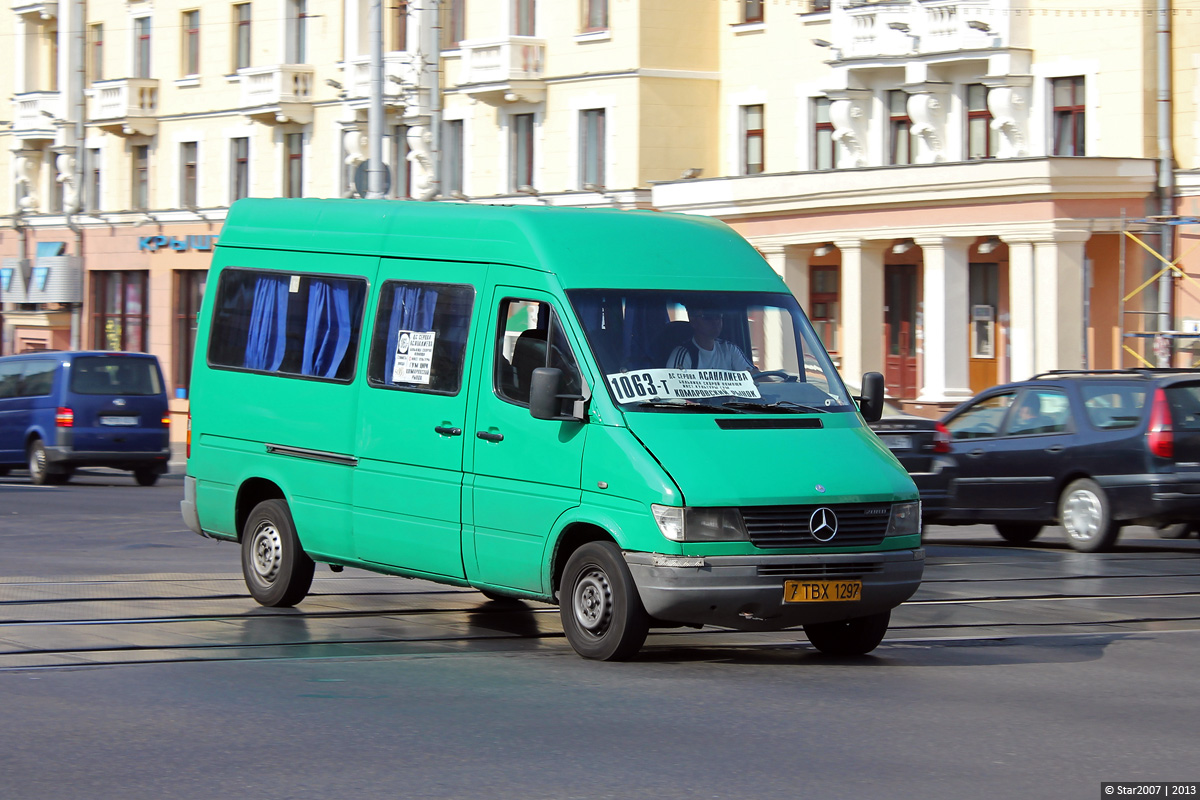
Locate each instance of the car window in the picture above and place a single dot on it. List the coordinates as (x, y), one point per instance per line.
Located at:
(982, 418)
(39, 378)
(1185, 406)
(1040, 411)
(1110, 406)
(531, 336)
(114, 375)
(10, 379)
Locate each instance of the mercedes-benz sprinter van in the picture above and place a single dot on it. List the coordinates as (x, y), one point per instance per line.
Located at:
(622, 412)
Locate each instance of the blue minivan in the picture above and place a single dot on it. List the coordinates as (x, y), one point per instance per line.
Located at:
(62, 410)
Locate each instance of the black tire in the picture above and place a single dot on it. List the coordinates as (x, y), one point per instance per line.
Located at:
(1086, 516)
(278, 572)
(850, 637)
(1180, 530)
(4, 471)
(39, 470)
(602, 614)
(146, 476)
(1018, 532)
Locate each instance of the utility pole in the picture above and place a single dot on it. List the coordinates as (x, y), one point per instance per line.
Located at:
(375, 168)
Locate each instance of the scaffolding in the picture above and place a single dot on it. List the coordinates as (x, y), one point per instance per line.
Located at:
(1159, 340)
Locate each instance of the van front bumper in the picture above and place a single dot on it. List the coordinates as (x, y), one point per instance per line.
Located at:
(746, 592)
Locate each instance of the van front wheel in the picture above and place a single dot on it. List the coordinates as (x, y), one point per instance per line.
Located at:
(849, 637)
(278, 572)
(601, 612)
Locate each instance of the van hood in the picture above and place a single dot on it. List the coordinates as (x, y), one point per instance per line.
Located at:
(720, 460)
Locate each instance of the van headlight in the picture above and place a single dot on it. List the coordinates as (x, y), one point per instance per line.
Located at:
(905, 520)
(700, 524)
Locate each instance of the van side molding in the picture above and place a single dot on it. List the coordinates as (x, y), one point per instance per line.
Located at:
(313, 455)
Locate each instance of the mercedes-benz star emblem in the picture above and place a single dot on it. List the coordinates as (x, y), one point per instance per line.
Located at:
(119, 402)
(823, 524)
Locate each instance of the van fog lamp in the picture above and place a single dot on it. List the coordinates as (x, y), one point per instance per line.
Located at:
(905, 520)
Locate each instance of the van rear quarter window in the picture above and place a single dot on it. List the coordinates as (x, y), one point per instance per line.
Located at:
(304, 325)
(39, 378)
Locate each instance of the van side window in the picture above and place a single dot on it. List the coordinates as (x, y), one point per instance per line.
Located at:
(290, 323)
(420, 336)
(39, 378)
(10, 379)
(530, 336)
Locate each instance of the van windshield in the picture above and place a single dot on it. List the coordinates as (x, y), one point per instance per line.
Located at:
(114, 375)
(721, 352)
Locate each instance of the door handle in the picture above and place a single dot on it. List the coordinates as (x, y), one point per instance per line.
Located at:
(976, 453)
(448, 431)
(490, 437)
(1058, 448)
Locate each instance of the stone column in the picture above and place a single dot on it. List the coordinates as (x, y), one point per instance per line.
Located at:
(1058, 271)
(791, 264)
(946, 309)
(1022, 325)
(862, 307)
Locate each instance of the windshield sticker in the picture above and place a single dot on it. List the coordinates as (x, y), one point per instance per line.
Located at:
(681, 384)
(414, 357)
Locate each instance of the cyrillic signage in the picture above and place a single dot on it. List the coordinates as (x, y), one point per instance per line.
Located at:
(153, 244)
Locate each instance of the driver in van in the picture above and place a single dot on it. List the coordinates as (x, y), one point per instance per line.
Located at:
(705, 350)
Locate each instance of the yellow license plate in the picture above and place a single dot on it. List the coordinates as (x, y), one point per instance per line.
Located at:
(821, 591)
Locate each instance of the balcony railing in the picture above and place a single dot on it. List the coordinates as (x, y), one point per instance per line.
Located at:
(127, 105)
(34, 114)
(284, 91)
(515, 58)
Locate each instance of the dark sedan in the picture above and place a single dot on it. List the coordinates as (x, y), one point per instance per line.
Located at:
(922, 447)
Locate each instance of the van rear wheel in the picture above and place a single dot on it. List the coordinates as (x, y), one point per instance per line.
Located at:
(146, 476)
(849, 637)
(39, 470)
(278, 572)
(602, 614)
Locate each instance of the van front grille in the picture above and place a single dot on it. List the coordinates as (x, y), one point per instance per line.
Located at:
(817, 571)
(858, 525)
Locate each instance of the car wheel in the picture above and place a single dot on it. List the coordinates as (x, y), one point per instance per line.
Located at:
(849, 637)
(1180, 530)
(146, 476)
(278, 572)
(4, 471)
(1086, 516)
(602, 615)
(1018, 532)
(39, 474)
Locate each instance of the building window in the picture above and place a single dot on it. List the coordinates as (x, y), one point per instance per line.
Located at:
(401, 175)
(980, 142)
(121, 317)
(1068, 116)
(92, 190)
(293, 167)
(297, 27)
(191, 42)
(899, 128)
(141, 47)
(452, 158)
(140, 183)
(397, 24)
(591, 149)
(521, 155)
(523, 17)
(824, 148)
(752, 140)
(189, 293)
(239, 168)
(95, 56)
(595, 15)
(455, 24)
(819, 5)
(752, 10)
(241, 36)
(823, 304)
(187, 174)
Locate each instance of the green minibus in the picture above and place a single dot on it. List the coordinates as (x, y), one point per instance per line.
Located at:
(624, 413)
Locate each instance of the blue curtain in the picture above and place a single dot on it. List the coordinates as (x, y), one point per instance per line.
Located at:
(327, 330)
(266, 342)
(645, 318)
(412, 310)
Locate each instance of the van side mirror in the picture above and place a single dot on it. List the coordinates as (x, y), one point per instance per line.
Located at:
(871, 402)
(545, 400)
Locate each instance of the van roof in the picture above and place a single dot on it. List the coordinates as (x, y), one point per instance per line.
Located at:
(583, 247)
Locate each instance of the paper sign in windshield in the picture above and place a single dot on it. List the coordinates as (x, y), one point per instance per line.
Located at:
(681, 384)
(414, 357)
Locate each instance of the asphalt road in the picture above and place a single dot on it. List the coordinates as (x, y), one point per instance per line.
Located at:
(133, 664)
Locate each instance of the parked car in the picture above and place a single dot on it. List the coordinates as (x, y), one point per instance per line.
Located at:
(1092, 450)
(63, 410)
(922, 446)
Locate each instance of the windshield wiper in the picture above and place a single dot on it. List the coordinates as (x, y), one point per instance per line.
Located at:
(783, 406)
(688, 406)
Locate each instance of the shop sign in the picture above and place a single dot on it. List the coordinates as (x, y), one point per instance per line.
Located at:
(153, 244)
